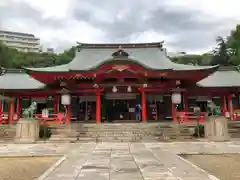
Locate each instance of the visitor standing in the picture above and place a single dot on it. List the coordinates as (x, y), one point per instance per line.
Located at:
(138, 111)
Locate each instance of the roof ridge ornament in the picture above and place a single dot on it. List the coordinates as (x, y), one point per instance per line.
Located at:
(2, 71)
(120, 53)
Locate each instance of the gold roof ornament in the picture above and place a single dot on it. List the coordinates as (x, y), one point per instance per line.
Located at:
(120, 67)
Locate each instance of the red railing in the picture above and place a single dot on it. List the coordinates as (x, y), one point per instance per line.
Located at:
(4, 118)
(191, 117)
(51, 119)
(235, 116)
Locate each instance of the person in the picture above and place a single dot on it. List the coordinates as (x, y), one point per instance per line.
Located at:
(138, 110)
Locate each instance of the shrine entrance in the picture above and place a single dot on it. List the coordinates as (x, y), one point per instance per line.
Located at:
(120, 106)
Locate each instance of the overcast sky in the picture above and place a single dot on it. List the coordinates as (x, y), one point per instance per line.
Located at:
(184, 25)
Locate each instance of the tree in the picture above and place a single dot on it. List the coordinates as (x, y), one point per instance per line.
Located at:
(235, 59)
(194, 59)
(5, 56)
(207, 59)
(234, 45)
(234, 41)
(222, 53)
(11, 58)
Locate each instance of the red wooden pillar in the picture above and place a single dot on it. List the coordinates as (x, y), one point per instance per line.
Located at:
(55, 105)
(173, 112)
(68, 114)
(11, 112)
(19, 107)
(1, 110)
(185, 101)
(98, 107)
(230, 106)
(223, 106)
(144, 109)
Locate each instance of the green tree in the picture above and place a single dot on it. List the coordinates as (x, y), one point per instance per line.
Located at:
(206, 59)
(234, 40)
(235, 59)
(234, 45)
(11, 58)
(222, 53)
(5, 56)
(194, 59)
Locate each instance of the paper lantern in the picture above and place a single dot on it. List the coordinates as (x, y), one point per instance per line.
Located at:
(129, 89)
(176, 98)
(114, 89)
(65, 99)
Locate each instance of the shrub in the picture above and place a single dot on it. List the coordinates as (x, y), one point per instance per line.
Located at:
(199, 131)
(45, 131)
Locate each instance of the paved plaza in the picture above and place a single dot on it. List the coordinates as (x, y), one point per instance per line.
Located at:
(119, 161)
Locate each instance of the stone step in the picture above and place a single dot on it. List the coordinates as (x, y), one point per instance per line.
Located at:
(62, 139)
(133, 132)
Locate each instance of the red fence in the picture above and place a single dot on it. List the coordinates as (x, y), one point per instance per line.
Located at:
(51, 119)
(191, 117)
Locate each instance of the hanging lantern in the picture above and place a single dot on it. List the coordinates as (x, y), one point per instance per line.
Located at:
(176, 98)
(65, 99)
(95, 86)
(145, 85)
(114, 89)
(129, 89)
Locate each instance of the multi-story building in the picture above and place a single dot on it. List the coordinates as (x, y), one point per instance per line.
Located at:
(20, 41)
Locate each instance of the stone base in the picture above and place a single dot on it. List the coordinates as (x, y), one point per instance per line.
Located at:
(27, 131)
(216, 129)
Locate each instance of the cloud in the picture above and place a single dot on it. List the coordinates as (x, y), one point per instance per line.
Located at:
(185, 25)
(19, 12)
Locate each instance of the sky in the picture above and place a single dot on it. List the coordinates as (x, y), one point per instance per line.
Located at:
(184, 25)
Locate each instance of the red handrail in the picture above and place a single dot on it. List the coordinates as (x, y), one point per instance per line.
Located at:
(190, 117)
(4, 118)
(51, 119)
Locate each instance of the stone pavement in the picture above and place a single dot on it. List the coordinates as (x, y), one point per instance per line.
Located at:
(47, 149)
(135, 161)
(119, 161)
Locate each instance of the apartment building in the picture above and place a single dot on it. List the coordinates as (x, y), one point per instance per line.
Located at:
(20, 41)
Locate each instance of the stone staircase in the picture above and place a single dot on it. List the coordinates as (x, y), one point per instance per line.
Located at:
(7, 133)
(234, 129)
(62, 133)
(121, 132)
(118, 132)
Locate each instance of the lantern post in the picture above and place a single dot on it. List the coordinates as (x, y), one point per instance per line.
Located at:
(176, 99)
(66, 101)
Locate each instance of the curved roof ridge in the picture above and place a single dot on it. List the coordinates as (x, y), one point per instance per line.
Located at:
(58, 68)
(122, 45)
(11, 70)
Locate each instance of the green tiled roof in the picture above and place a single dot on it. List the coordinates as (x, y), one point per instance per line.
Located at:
(91, 56)
(151, 58)
(17, 80)
(223, 78)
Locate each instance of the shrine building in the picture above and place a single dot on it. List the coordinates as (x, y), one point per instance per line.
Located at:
(105, 82)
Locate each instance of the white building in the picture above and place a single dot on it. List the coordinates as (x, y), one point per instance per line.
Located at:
(20, 41)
